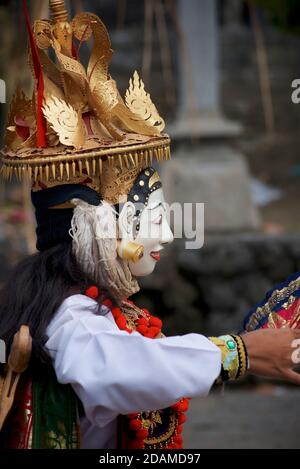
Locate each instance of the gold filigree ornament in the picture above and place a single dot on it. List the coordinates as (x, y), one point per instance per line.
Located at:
(43, 34)
(88, 125)
(140, 103)
(86, 25)
(65, 121)
(21, 121)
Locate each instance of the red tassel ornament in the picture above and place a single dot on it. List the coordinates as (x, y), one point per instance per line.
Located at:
(93, 293)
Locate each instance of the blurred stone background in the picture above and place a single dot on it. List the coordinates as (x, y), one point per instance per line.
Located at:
(221, 73)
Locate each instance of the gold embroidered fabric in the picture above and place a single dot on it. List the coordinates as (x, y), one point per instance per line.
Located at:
(277, 297)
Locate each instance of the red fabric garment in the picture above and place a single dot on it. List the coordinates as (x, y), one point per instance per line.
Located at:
(40, 119)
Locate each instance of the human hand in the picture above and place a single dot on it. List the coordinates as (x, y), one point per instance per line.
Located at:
(272, 353)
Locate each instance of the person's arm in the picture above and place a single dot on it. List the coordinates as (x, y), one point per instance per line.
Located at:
(268, 353)
(271, 353)
(114, 373)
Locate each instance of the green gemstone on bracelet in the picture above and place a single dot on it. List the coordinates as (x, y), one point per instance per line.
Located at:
(231, 345)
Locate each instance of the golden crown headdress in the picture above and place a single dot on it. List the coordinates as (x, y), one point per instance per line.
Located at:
(76, 122)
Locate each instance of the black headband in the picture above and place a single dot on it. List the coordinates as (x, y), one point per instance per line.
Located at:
(60, 194)
(53, 224)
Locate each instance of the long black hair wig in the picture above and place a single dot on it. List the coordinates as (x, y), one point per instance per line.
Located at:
(36, 288)
(41, 282)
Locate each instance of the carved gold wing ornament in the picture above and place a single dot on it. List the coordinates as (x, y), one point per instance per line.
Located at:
(140, 103)
(82, 106)
(21, 121)
(65, 121)
(94, 88)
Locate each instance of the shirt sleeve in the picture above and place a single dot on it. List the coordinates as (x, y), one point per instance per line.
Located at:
(114, 372)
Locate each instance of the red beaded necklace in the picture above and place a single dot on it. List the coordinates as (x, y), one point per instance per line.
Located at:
(147, 430)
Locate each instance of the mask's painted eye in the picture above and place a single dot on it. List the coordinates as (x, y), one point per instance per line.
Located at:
(158, 220)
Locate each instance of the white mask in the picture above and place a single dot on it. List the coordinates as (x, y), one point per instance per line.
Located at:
(154, 231)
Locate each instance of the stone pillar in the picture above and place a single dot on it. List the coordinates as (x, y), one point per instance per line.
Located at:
(199, 75)
(199, 111)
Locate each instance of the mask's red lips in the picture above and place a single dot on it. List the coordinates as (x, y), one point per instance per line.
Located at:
(155, 255)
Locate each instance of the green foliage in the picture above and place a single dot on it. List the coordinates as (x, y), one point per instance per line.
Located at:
(284, 13)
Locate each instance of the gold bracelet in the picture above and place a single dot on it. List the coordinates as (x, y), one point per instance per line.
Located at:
(230, 357)
(243, 356)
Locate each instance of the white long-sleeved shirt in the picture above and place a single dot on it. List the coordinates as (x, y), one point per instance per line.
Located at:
(113, 372)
